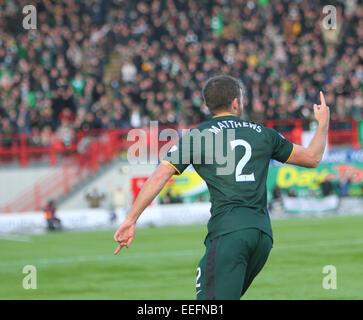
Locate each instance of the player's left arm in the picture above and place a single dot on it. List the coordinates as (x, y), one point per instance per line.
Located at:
(125, 234)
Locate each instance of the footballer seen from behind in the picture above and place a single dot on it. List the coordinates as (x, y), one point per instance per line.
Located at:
(232, 156)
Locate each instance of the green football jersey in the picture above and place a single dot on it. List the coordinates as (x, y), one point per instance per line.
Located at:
(232, 156)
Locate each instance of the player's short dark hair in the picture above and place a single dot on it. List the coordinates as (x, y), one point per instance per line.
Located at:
(220, 91)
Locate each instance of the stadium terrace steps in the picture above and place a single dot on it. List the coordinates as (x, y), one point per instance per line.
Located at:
(86, 182)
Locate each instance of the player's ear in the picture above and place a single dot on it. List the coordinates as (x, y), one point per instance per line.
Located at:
(235, 104)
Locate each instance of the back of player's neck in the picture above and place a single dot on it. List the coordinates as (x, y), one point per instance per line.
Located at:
(222, 114)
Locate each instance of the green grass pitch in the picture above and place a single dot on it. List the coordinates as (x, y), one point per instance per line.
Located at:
(161, 263)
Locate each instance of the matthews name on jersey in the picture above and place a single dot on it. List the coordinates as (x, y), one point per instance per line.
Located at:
(232, 156)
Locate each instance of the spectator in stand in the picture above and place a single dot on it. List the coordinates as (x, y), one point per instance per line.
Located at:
(94, 198)
(53, 222)
(343, 186)
(169, 199)
(7, 131)
(276, 200)
(277, 194)
(119, 198)
(65, 132)
(326, 187)
(291, 193)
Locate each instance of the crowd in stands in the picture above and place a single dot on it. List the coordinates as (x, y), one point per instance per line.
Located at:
(52, 79)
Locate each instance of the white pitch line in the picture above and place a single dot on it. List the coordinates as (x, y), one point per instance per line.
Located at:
(109, 257)
(17, 238)
(159, 254)
(319, 244)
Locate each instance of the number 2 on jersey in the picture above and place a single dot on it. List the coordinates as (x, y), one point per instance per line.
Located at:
(241, 164)
(199, 273)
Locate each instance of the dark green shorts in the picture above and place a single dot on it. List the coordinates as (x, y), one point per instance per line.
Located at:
(230, 264)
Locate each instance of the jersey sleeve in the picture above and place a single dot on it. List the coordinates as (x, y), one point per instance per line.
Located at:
(281, 147)
(180, 155)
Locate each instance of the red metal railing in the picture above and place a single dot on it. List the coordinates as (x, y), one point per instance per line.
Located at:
(72, 172)
(111, 140)
(86, 154)
(51, 187)
(341, 131)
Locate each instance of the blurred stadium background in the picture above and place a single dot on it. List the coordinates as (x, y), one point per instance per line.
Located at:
(71, 91)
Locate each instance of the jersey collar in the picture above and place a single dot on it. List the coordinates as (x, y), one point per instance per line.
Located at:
(225, 115)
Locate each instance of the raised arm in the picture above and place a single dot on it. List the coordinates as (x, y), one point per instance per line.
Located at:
(311, 156)
(126, 232)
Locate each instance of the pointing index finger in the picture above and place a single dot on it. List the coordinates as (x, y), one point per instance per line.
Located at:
(322, 99)
(118, 249)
